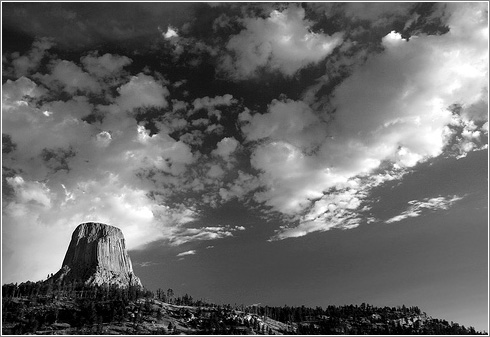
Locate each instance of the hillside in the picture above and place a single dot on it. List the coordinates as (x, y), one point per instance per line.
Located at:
(71, 308)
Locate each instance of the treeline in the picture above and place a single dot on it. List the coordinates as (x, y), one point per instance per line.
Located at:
(30, 307)
(72, 289)
(35, 305)
(302, 313)
(361, 319)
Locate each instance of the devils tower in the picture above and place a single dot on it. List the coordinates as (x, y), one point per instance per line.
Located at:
(96, 256)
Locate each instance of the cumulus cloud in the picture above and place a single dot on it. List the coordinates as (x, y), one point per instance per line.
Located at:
(71, 78)
(225, 147)
(105, 65)
(291, 121)
(142, 91)
(18, 92)
(418, 206)
(24, 64)
(215, 172)
(282, 42)
(240, 187)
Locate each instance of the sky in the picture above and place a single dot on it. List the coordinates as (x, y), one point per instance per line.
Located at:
(274, 153)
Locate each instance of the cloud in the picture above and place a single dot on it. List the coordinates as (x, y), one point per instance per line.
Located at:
(288, 120)
(25, 64)
(79, 107)
(282, 42)
(15, 93)
(89, 142)
(418, 206)
(30, 192)
(210, 104)
(239, 188)
(395, 109)
(291, 178)
(225, 147)
(105, 65)
(146, 264)
(66, 171)
(142, 91)
(466, 134)
(183, 235)
(215, 172)
(344, 206)
(189, 252)
(71, 78)
(170, 33)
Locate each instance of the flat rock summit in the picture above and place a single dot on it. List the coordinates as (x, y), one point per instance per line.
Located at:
(97, 255)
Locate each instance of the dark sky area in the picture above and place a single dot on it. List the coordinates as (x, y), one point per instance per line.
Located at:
(274, 153)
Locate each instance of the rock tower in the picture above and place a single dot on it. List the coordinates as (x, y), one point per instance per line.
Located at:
(97, 255)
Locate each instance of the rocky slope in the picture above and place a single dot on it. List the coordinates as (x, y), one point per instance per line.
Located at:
(97, 255)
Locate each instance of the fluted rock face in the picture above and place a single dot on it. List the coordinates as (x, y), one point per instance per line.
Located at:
(97, 255)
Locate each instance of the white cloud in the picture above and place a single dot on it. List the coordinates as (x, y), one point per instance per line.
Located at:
(170, 33)
(207, 102)
(225, 147)
(343, 206)
(418, 206)
(142, 91)
(282, 42)
(210, 104)
(395, 109)
(291, 121)
(30, 191)
(15, 93)
(291, 178)
(189, 252)
(183, 235)
(103, 139)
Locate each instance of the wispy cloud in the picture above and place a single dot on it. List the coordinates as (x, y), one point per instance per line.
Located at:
(417, 207)
(183, 235)
(189, 252)
(146, 264)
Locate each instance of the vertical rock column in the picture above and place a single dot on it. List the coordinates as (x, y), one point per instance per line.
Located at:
(97, 255)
